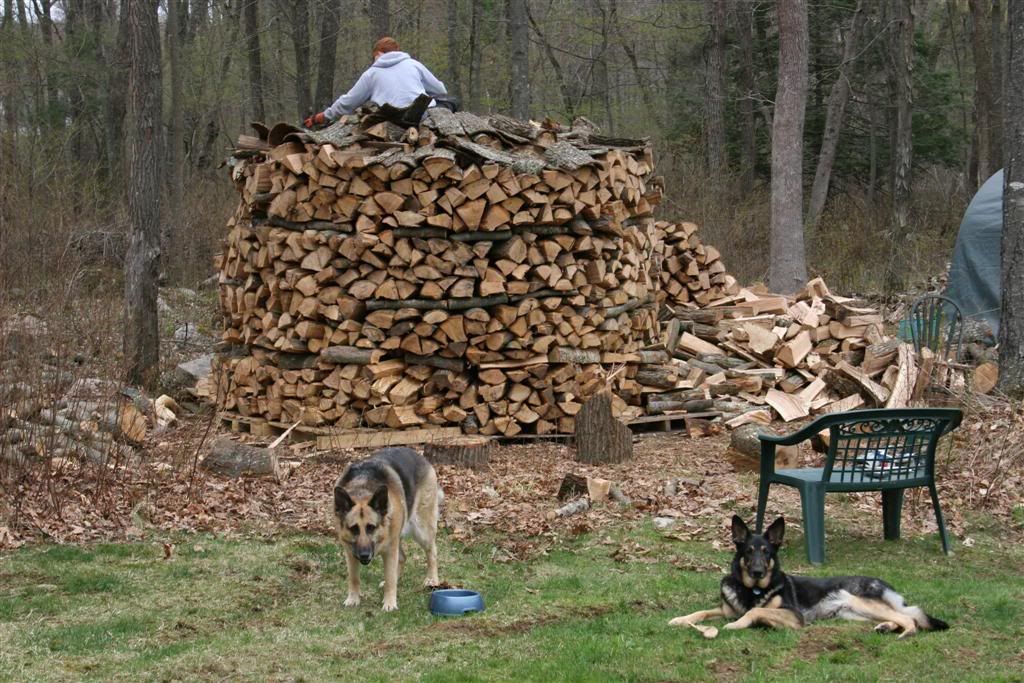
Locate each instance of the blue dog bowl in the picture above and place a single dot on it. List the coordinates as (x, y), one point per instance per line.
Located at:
(449, 602)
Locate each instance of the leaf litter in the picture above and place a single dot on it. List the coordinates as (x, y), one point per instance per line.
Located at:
(506, 503)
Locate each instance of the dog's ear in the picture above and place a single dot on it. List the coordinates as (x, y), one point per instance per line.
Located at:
(776, 531)
(342, 502)
(740, 532)
(379, 502)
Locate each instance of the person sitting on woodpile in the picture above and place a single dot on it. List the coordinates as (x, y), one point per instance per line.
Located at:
(394, 78)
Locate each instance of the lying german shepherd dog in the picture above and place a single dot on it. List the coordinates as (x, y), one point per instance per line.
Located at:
(376, 502)
(758, 592)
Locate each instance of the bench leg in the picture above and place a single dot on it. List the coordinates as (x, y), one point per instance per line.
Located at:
(892, 506)
(762, 503)
(812, 500)
(938, 518)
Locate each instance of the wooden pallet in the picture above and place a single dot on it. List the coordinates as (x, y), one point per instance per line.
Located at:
(263, 428)
(668, 423)
(533, 438)
(375, 438)
(257, 426)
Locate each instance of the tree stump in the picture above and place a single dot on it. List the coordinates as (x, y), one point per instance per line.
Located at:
(600, 438)
(463, 451)
(573, 485)
(233, 459)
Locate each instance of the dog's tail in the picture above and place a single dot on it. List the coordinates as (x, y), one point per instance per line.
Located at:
(935, 624)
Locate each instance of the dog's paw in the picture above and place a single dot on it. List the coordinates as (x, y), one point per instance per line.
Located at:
(431, 582)
(680, 621)
(390, 605)
(352, 600)
(887, 627)
(733, 626)
(907, 633)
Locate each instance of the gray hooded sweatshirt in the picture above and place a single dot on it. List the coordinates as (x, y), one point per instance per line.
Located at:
(395, 78)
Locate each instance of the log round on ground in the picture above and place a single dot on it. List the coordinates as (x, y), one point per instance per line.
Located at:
(463, 451)
(235, 460)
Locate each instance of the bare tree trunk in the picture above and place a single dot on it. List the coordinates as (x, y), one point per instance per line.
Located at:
(206, 155)
(330, 24)
(901, 51)
(299, 16)
(380, 18)
(556, 66)
(116, 101)
(997, 49)
(519, 48)
(788, 270)
(628, 44)
(971, 186)
(983, 102)
(174, 130)
(834, 115)
(453, 76)
(748, 120)
(1011, 325)
(252, 41)
(75, 42)
(474, 56)
(714, 93)
(142, 262)
(599, 65)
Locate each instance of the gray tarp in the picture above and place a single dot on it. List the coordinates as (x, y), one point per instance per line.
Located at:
(974, 274)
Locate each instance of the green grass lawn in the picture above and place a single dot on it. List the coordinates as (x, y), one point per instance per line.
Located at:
(270, 609)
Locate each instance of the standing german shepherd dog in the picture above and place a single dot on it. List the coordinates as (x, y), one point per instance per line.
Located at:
(376, 502)
(758, 592)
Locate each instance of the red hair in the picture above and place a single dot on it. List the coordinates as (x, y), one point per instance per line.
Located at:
(384, 45)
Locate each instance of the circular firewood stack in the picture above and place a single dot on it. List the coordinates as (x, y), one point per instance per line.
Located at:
(487, 268)
(464, 451)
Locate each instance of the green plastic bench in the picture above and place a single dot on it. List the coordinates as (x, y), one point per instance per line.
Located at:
(868, 450)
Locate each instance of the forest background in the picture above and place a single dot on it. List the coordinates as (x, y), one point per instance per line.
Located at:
(697, 77)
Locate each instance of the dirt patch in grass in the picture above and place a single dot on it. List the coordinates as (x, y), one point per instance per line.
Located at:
(480, 626)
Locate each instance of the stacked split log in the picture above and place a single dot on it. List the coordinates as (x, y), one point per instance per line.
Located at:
(487, 273)
(692, 273)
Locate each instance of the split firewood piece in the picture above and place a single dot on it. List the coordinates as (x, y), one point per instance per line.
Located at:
(600, 437)
(166, 410)
(598, 489)
(788, 407)
(985, 378)
(463, 451)
(903, 389)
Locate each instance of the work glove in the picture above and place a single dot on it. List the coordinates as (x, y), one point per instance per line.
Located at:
(315, 120)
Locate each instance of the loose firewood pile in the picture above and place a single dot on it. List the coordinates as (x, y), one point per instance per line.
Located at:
(486, 273)
(753, 355)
